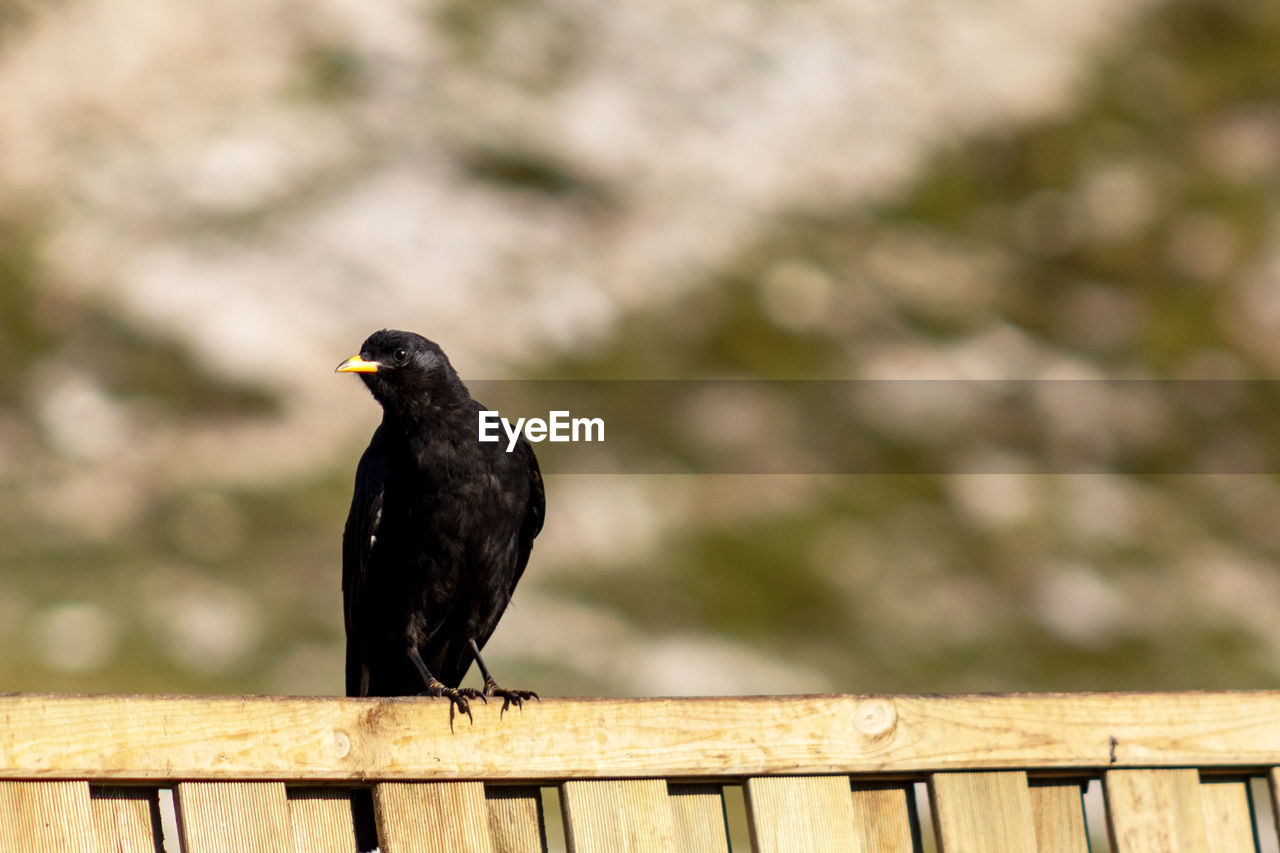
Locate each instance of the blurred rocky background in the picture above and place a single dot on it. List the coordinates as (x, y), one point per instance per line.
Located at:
(205, 207)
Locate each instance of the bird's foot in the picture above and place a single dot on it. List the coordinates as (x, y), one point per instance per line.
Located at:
(457, 697)
(509, 697)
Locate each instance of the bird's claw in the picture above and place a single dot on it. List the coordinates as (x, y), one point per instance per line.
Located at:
(510, 697)
(457, 699)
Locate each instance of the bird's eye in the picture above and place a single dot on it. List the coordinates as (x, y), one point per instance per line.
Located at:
(401, 355)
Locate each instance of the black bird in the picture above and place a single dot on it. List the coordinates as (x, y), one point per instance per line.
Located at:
(439, 532)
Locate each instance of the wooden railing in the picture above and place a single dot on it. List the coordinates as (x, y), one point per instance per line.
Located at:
(816, 773)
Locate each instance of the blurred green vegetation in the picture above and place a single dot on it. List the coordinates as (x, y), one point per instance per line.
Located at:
(1021, 195)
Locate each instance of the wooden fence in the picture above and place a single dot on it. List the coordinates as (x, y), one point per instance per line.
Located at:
(1180, 772)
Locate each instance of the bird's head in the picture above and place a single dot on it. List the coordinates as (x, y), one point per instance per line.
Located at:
(405, 372)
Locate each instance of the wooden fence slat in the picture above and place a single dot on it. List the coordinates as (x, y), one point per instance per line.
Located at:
(1058, 811)
(885, 817)
(802, 814)
(432, 817)
(127, 819)
(327, 739)
(1273, 785)
(1155, 811)
(1228, 815)
(623, 815)
(515, 818)
(698, 811)
(321, 820)
(46, 816)
(982, 812)
(67, 764)
(248, 817)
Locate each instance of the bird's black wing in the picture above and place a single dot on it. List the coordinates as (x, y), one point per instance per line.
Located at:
(357, 544)
(533, 515)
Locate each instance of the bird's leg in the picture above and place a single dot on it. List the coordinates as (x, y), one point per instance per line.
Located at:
(436, 687)
(491, 688)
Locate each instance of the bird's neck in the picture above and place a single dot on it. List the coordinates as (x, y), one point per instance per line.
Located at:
(424, 402)
(423, 412)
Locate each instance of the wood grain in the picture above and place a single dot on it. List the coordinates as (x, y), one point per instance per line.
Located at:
(1155, 811)
(248, 817)
(982, 812)
(1058, 811)
(321, 821)
(39, 816)
(1228, 815)
(127, 819)
(618, 815)
(885, 817)
(1273, 785)
(803, 814)
(333, 739)
(515, 818)
(698, 811)
(432, 817)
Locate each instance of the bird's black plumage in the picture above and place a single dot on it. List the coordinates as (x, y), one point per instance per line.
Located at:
(439, 532)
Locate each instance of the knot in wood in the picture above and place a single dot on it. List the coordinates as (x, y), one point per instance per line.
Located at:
(341, 744)
(875, 718)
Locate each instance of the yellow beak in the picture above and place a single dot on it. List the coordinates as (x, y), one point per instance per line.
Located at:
(356, 364)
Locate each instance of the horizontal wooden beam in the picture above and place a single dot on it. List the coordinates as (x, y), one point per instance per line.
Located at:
(334, 739)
